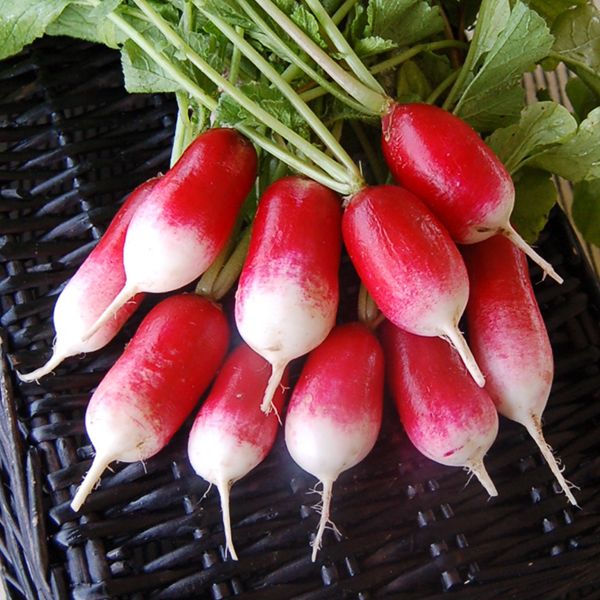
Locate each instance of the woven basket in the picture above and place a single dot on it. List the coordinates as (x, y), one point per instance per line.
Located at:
(73, 143)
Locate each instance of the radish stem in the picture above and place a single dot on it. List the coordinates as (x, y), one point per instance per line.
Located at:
(442, 87)
(332, 167)
(520, 243)
(326, 496)
(301, 107)
(341, 44)
(297, 64)
(371, 99)
(99, 464)
(210, 103)
(457, 340)
(224, 488)
(398, 59)
(534, 427)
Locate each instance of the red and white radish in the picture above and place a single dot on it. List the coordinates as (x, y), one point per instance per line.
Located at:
(288, 293)
(179, 231)
(446, 416)
(509, 339)
(98, 280)
(409, 265)
(441, 159)
(334, 415)
(231, 435)
(154, 385)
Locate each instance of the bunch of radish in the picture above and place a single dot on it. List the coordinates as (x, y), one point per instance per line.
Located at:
(402, 240)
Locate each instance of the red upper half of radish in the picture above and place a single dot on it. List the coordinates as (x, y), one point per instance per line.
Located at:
(288, 293)
(176, 235)
(408, 263)
(506, 329)
(441, 159)
(90, 291)
(445, 414)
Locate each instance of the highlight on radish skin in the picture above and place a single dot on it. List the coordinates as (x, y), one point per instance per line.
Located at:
(231, 435)
(409, 264)
(288, 292)
(334, 415)
(91, 289)
(441, 159)
(510, 340)
(176, 235)
(154, 385)
(446, 416)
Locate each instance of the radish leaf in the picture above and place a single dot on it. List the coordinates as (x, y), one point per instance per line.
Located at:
(586, 209)
(535, 195)
(579, 157)
(22, 21)
(494, 97)
(542, 125)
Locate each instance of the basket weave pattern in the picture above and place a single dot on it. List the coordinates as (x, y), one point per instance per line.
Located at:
(72, 144)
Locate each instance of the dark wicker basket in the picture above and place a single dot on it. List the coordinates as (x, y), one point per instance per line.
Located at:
(73, 143)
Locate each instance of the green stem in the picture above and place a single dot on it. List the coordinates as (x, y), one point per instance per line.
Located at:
(341, 44)
(375, 164)
(301, 107)
(236, 59)
(376, 102)
(293, 70)
(230, 272)
(467, 67)
(320, 158)
(298, 65)
(180, 139)
(442, 87)
(573, 62)
(398, 59)
(210, 103)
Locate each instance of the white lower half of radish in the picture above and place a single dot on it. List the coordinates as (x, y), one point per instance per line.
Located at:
(325, 448)
(219, 457)
(280, 320)
(162, 257)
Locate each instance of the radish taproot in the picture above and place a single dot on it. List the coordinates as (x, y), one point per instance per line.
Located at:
(288, 292)
(154, 385)
(231, 435)
(179, 231)
(441, 159)
(95, 284)
(510, 340)
(409, 265)
(334, 414)
(446, 416)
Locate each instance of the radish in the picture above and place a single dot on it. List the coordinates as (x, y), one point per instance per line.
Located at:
(231, 435)
(441, 159)
(287, 296)
(509, 339)
(446, 416)
(93, 287)
(147, 394)
(175, 236)
(334, 414)
(409, 265)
